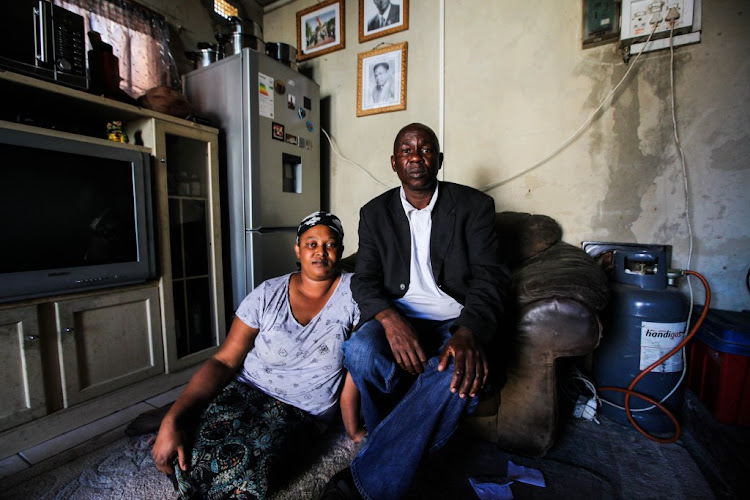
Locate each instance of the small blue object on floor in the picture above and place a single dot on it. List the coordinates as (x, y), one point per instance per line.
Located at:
(498, 487)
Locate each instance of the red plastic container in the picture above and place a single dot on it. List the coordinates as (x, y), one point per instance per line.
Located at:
(719, 365)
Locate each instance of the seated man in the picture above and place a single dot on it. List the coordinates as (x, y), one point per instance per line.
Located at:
(430, 286)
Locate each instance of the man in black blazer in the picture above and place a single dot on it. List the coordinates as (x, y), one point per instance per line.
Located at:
(430, 286)
(388, 14)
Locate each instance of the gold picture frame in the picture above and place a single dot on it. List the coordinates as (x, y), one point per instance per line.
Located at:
(381, 80)
(323, 26)
(374, 24)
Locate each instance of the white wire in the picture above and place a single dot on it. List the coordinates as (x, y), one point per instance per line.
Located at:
(575, 134)
(690, 229)
(338, 153)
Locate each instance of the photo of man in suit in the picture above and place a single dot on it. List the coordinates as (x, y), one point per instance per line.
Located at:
(383, 90)
(388, 14)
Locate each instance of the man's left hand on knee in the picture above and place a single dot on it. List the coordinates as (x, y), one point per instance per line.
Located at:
(470, 368)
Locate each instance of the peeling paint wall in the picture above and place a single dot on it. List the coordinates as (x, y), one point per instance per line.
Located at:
(518, 85)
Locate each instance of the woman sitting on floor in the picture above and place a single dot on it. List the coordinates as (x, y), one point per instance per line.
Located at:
(278, 371)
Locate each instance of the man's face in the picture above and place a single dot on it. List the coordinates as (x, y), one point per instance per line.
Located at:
(416, 159)
(382, 4)
(381, 75)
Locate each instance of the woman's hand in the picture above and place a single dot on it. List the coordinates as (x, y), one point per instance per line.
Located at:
(358, 435)
(168, 443)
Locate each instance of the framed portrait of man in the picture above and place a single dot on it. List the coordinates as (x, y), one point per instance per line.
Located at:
(381, 80)
(382, 17)
(320, 29)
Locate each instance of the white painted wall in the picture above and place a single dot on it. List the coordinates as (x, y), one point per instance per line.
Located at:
(517, 84)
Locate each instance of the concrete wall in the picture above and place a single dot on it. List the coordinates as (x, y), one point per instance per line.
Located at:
(517, 84)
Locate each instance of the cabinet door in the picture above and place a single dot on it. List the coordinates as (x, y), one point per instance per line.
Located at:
(108, 341)
(190, 243)
(22, 392)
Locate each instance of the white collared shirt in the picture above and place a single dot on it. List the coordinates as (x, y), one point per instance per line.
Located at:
(424, 299)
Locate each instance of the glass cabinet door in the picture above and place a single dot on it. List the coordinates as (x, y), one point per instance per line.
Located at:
(186, 163)
(189, 244)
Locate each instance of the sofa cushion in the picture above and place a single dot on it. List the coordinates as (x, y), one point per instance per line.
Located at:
(522, 235)
(562, 270)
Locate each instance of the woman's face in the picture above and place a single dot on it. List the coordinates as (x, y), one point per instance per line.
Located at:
(318, 251)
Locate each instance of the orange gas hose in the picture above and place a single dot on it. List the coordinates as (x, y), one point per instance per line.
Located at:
(629, 392)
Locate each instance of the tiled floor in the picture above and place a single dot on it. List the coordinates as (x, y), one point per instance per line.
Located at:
(112, 424)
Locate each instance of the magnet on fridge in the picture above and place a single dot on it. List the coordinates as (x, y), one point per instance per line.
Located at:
(277, 131)
(291, 102)
(308, 103)
(279, 87)
(301, 112)
(309, 126)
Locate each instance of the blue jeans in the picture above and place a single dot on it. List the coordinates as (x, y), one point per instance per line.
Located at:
(406, 416)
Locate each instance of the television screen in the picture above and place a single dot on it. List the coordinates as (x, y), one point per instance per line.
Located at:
(64, 210)
(75, 214)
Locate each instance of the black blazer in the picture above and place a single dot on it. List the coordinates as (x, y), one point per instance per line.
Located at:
(463, 249)
(392, 18)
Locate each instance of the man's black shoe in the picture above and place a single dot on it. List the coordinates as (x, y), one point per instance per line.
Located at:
(341, 487)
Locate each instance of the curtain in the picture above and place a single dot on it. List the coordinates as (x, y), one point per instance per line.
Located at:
(139, 38)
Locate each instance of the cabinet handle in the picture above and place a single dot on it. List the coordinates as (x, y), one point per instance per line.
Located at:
(162, 160)
(69, 330)
(32, 337)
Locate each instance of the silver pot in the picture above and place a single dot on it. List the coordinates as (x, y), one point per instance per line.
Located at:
(206, 54)
(245, 33)
(282, 52)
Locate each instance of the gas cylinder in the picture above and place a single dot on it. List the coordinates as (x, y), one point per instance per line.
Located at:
(646, 318)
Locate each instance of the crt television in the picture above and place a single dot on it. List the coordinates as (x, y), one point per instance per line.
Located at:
(75, 214)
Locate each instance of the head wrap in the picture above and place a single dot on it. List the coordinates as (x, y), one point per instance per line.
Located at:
(324, 218)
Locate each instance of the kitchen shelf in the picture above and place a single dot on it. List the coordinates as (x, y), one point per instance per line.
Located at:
(39, 103)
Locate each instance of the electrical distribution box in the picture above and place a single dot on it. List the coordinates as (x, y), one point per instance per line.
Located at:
(640, 17)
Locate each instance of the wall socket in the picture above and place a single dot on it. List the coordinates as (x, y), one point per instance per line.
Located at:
(638, 18)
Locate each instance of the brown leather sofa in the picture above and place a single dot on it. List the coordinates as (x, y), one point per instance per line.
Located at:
(556, 293)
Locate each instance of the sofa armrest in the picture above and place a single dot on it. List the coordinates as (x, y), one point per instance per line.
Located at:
(548, 329)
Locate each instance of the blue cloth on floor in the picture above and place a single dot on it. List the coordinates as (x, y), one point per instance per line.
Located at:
(525, 475)
(489, 488)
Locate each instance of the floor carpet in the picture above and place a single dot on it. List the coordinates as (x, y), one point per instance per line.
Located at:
(589, 461)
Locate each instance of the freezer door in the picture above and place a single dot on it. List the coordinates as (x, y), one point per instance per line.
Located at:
(269, 254)
(284, 144)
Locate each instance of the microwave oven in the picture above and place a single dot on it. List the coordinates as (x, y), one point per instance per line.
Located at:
(43, 40)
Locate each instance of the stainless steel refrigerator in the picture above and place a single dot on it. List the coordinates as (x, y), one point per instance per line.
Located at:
(268, 115)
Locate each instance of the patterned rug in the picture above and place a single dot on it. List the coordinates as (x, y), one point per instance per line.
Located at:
(124, 470)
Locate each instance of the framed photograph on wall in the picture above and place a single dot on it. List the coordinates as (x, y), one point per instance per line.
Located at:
(382, 17)
(381, 80)
(320, 29)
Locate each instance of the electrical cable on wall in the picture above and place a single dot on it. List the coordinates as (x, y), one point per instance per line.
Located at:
(338, 153)
(575, 134)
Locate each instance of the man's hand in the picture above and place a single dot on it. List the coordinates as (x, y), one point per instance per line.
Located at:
(470, 369)
(168, 443)
(407, 351)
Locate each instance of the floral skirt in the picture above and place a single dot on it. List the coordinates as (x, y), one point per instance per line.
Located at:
(239, 438)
